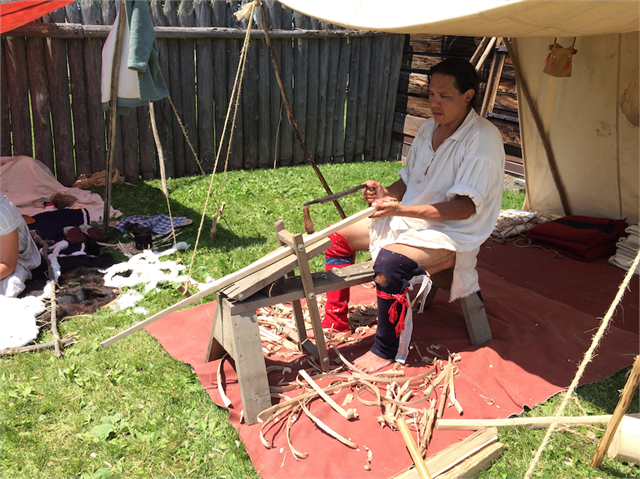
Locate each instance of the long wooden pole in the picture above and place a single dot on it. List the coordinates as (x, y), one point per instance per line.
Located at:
(113, 106)
(290, 111)
(621, 408)
(553, 166)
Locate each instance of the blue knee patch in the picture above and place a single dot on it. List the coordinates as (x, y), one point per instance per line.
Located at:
(398, 270)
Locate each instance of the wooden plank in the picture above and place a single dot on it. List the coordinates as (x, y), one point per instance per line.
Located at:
(40, 106)
(215, 349)
(286, 132)
(475, 318)
(79, 107)
(129, 131)
(5, 124)
(413, 105)
(394, 80)
(299, 105)
(323, 282)
(219, 81)
(204, 76)
(385, 92)
(249, 98)
(338, 137)
(252, 283)
(316, 88)
(478, 462)
(265, 150)
(413, 83)
(16, 61)
(420, 63)
(373, 99)
(322, 91)
(423, 43)
(92, 50)
(529, 422)
(173, 81)
(249, 362)
(332, 94)
(162, 110)
(236, 156)
(58, 80)
(186, 18)
(109, 12)
(363, 97)
(79, 31)
(312, 303)
(454, 454)
(278, 117)
(267, 260)
(352, 102)
(265, 143)
(146, 144)
(407, 124)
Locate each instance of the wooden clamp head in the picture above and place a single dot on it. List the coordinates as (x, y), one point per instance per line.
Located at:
(308, 224)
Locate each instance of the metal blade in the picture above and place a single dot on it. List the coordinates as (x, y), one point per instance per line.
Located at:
(335, 196)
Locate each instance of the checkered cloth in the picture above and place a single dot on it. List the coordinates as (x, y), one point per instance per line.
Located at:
(160, 224)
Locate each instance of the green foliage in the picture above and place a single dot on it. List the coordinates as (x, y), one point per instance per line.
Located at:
(131, 410)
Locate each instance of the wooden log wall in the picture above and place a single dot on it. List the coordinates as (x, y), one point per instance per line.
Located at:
(341, 84)
(420, 53)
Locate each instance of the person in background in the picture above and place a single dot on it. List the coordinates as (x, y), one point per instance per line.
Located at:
(18, 252)
(435, 217)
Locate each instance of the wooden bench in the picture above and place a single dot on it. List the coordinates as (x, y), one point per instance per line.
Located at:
(235, 327)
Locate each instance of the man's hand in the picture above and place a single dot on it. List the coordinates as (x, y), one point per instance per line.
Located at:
(373, 191)
(387, 206)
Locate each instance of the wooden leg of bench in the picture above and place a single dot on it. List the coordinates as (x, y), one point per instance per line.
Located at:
(215, 349)
(249, 361)
(476, 318)
(430, 297)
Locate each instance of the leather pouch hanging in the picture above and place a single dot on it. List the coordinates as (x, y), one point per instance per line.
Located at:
(559, 59)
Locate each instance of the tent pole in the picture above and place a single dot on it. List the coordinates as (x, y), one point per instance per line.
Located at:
(290, 112)
(113, 105)
(553, 166)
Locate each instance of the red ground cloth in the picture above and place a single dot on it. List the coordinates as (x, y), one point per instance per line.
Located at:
(541, 327)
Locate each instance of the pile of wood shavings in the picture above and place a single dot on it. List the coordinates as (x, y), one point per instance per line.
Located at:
(278, 329)
(413, 398)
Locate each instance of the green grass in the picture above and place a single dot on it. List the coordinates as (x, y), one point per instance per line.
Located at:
(132, 411)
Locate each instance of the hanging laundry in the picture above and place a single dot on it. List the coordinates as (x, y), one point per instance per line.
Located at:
(140, 78)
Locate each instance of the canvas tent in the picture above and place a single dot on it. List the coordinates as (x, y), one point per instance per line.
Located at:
(595, 145)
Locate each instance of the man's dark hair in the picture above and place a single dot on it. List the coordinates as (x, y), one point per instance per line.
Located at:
(465, 76)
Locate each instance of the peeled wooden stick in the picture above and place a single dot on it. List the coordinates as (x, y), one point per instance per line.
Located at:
(35, 347)
(348, 414)
(413, 450)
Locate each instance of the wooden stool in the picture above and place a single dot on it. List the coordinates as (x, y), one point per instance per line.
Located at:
(472, 308)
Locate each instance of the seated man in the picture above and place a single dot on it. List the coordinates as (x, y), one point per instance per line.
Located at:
(436, 216)
(18, 252)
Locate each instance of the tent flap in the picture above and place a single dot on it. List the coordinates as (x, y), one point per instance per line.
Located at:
(480, 18)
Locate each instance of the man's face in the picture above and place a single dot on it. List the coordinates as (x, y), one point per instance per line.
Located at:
(449, 107)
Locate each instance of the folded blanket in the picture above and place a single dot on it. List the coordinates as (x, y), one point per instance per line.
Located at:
(583, 238)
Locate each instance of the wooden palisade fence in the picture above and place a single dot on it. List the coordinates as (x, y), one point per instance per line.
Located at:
(342, 86)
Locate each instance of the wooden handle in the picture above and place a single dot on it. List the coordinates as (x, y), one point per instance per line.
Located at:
(423, 472)
(308, 224)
